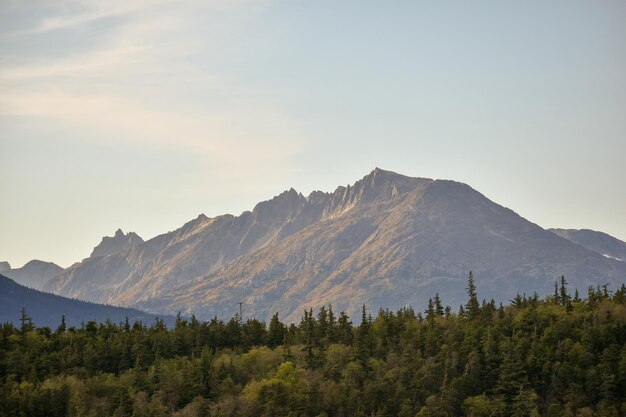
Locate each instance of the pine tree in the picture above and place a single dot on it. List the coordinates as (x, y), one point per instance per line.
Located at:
(308, 325)
(430, 311)
(332, 325)
(27, 322)
(511, 376)
(363, 348)
(563, 295)
(525, 403)
(62, 327)
(438, 307)
(344, 329)
(276, 332)
(472, 308)
(322, 327)
(556, 292)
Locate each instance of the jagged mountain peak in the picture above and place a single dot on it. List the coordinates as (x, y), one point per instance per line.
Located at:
(118, 243)
(379, 187)
(285, 204)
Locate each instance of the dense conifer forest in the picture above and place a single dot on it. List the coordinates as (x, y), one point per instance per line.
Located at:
(563, 355)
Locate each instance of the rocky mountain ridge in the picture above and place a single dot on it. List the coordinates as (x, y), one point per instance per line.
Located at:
(386, 241)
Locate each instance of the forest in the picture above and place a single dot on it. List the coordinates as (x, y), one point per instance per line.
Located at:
(559, 355)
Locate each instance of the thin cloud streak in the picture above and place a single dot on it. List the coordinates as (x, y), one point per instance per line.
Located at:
(95, 90)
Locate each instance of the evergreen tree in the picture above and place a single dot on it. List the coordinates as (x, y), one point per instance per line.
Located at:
(430, 311)
(332, 326)
(438, 306)
(472, 308)
(27, 322)
(62, 327)
(344, 329)
(563, 295)
(525, 404)
(276, 331)
(530, 359)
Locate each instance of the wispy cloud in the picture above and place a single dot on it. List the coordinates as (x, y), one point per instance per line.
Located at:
(145, 80)
(228, 137)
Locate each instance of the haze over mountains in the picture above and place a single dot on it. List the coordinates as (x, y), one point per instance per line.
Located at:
(34, 274)
(386, 241)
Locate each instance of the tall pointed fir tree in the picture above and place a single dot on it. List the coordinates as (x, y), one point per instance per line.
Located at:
(472, 308)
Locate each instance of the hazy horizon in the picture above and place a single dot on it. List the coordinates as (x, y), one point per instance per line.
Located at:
(142, 115)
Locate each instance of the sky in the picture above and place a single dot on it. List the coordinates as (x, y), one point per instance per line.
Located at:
(142, 114)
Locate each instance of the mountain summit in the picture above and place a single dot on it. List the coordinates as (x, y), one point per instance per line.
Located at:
(387, 240)
(118, 243)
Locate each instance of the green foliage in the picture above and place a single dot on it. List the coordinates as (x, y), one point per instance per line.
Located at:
(564, 356)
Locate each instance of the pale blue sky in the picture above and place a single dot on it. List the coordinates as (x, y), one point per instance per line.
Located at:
(142, 114)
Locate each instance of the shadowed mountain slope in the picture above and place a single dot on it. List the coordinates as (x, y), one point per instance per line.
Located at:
(47, 309)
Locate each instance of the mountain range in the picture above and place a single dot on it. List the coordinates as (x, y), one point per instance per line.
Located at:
(386, 241)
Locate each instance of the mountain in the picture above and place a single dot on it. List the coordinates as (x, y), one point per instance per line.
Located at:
(118, 243)
(34, 274)
(47, 309)
(605, 245)
(4, 265)
(388, 240)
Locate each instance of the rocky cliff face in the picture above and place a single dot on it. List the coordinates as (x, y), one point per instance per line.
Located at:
(386, 241)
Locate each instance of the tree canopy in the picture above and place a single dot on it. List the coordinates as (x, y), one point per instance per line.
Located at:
(557, 356)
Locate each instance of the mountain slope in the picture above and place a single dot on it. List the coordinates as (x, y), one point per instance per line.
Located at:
(47, 309)
(34, 274)
(396, 252)
(599, 242)
(386, 241)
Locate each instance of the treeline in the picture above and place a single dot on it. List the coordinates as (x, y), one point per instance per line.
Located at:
(563, 355)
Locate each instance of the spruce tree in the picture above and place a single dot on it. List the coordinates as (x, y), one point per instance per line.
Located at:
(438, 306)
(472, 308)
(276, 332)
(430, 311)
(62, 327)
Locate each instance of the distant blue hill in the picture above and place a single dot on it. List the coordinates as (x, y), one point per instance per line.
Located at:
(47, 309)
